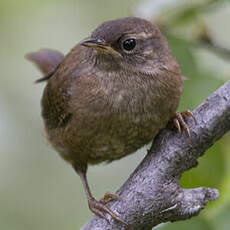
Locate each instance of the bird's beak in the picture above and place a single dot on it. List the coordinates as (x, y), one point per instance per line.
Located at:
(99, 45)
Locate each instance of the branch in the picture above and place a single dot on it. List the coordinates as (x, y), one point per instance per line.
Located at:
(152, 195)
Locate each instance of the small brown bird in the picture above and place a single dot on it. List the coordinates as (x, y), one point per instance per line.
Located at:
(109, 96)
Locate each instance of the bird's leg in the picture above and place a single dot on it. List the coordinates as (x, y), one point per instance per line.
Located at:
(179, 121)
(98, 207)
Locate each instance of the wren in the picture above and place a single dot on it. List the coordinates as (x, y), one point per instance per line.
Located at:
(109, 96)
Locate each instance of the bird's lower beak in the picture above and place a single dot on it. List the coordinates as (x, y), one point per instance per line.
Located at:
(99, 44)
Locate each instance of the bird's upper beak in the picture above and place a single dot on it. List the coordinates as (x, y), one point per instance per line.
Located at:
(100, 45)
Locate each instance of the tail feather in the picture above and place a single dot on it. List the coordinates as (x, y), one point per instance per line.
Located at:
(47, 61)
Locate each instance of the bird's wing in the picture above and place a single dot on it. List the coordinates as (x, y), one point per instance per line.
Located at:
(57, 96)
(55, 106)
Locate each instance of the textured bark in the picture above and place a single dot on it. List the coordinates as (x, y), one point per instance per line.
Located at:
(152, 195)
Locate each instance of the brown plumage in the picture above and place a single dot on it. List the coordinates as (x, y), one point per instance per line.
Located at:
(110, 96)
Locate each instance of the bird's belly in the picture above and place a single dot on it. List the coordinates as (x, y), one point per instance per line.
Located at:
(107, 141)
(120, 142)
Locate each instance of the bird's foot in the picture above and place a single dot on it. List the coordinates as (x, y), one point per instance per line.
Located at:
(179, 121)
(100, 208)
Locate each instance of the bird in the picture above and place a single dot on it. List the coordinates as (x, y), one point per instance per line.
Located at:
(109, 96)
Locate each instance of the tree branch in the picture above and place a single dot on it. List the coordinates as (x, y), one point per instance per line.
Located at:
(152, 195)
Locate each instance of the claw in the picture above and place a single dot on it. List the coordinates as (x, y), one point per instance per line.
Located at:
(179, 121)
(99, 207)
(188, 113)
(177, 124)
(109, 197)
(99, 213)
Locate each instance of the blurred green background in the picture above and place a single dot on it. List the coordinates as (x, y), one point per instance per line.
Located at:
(38, 190)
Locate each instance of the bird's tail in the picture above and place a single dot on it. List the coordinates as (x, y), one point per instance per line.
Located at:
(47, 61)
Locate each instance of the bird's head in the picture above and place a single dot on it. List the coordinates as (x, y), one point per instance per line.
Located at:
(128, 43)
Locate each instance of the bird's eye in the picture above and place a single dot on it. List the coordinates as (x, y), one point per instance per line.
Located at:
(129, 44)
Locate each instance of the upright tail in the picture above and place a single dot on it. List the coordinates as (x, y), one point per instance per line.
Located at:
(47, 61)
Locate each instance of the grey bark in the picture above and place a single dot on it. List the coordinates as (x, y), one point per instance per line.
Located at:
(152, 194)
